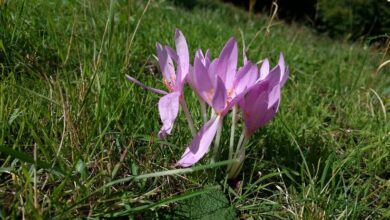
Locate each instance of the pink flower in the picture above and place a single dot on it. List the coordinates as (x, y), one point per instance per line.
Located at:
(262, 100)
(173, 79)
(220, 85)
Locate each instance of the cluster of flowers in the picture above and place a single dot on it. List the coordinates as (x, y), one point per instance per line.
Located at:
(223, 87)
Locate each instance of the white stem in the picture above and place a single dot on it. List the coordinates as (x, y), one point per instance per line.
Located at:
(241, 138)
(188, 117)
(217, 142)
(237, 166)
(203, 110)
(232, 131)
(239, 156)
(212, 113)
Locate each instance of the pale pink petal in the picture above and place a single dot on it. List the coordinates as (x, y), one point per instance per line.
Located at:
(202, 82)
(207, 58)
(245, 77)
(283, 69)
(264, 69)
(168, 106)
(274, 86)
(190, 78)
(200, 145)
(227, 63)
(220, 96)
(245, 59)
(172, 53)
(182, 52)
(166, 65)
(213, 70)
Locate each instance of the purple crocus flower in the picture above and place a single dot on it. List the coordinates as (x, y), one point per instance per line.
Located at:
(174, 80)
(262, 100)
(220, 85)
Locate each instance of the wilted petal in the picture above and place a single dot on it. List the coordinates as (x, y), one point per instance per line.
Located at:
(166, 64)
(200, 145)
(227, 63)
(135, 81)
(220, 96)
(168, 106)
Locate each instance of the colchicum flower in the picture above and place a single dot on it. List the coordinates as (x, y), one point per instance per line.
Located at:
(262, 100)
(259, 106)
(168, 105)
(223, 86)
(220, 85)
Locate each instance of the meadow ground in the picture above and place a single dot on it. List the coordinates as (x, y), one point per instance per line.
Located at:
(78, 140)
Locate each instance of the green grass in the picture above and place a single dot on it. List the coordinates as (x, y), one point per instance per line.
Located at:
(78, 140)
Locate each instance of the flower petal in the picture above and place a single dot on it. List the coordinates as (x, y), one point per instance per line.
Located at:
(245, 77)
(261, 102)
(168, 106)
(135, 81)
(202, 82)
(166, 64)
(207, 58)
(254, 105)
(283, 69)
(200, 145)
(220, 96)
(199, 55)
(264, 70)
(183, 55)
(172, 53)
(204, 58)
(245, 59)
(227, 64)
(213, 70)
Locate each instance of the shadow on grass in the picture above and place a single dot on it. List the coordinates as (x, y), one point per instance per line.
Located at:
(275, 149)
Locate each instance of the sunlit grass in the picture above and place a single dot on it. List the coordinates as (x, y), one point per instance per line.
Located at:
(71, 125)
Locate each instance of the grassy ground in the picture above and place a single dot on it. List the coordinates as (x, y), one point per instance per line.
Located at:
(78, 140)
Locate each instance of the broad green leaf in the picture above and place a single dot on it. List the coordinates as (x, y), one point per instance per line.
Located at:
(211, 205)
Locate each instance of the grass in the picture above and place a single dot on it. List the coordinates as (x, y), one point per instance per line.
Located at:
(78, 140)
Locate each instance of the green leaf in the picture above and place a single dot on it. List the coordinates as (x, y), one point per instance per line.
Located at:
(210, 205)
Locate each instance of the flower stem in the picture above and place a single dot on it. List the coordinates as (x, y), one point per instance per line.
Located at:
(217, 142)
(241, 138)
(239, 155)
(188, 116)
(232, 132)
(203, 110)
